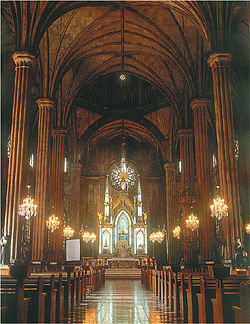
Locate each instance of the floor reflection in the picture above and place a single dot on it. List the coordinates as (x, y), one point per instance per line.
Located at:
(122, 301)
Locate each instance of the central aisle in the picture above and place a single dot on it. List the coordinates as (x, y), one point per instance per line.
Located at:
(119, 302)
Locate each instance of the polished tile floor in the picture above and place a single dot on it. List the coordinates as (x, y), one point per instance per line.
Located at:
(120, 302)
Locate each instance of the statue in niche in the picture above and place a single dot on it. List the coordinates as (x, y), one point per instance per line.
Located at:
(4, 242)
(100, 217)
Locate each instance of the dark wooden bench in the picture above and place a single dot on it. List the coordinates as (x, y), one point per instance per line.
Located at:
(227, 295)
(13, 300)
(242, 311)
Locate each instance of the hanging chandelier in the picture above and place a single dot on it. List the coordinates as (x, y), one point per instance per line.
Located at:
(219, 209)
(68, 232)
(53, 223)
(248, 228)
(192, 222)
(27, 209)
(88, 237)
(156, 236)
(177, 232)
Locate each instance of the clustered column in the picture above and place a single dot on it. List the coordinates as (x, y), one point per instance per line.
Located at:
(200, 107)
(170, 173)
(187, 197)
(57, 191)
(76, 169)
(220, 64)
(45, 105)
(23, 61)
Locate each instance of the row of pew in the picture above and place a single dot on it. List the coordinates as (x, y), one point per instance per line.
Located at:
(46, 297)
(198, 297)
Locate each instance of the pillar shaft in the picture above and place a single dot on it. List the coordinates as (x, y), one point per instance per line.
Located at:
(18, 150)
(220, 64)
(57, 190)
(76, 170)
(187, 197)
(171, 196)
(187, 157)
(200, 107)
(41, 195)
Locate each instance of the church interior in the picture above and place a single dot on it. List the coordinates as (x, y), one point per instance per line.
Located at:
(125, 162)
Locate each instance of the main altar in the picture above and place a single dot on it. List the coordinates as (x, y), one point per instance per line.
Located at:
(122, 223)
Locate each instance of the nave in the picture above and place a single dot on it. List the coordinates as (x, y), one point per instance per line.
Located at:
(122, 301)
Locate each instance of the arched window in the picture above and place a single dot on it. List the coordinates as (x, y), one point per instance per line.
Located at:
(106, 239)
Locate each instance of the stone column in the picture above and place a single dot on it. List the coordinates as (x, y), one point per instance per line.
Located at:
(200, 107)
(18, 150)
(170, 173)
(41, 195)
(57, 190)
(76, 170)
(220, 64)
(187, 197)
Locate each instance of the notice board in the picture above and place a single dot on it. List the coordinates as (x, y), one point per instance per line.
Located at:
(73, 250)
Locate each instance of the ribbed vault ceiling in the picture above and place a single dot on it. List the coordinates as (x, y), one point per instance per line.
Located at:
(83, 46)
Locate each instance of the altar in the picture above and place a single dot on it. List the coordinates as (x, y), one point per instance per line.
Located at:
(122, 228)
(123, 263)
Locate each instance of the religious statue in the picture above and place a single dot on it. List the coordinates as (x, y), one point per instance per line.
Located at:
(145, 218)
(239, 254)
(4, 242)
(100, 217)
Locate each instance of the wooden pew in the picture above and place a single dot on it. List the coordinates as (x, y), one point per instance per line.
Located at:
(50, 304)
(60, 298)
(162, 285)
(37, 296)
(175, 293)
(78, 288)
(165, 277)
(68, 292)
(227, 295)
(73, 290)
(170, 290)
(207, 292)
(13, 295)
(242, 312)
(183, 295)
(3, 314)
(192, 302)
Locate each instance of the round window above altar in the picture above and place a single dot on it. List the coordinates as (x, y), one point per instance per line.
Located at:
(123, 176)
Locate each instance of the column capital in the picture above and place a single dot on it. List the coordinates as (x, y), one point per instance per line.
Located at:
(45, 102)
(199, 103)
(23, 58)
(185, 132)
(59, 132)
(169, 166)
(220, 60)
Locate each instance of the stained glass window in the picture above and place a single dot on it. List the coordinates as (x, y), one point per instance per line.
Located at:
(179, 166)
(123, 176)
(8, 147)
(236, 148)
(31, 162)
